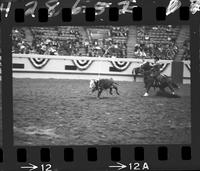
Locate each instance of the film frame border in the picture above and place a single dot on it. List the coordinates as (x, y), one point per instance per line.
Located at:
(124, 149)
(113, 14)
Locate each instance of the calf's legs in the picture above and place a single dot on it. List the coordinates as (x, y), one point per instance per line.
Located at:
(111, 91)
(99, 93)
(116, 89)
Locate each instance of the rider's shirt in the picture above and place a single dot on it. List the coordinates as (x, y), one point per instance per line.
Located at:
(157, 63)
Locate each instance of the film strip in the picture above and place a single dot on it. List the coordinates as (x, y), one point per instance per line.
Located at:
(75, 89)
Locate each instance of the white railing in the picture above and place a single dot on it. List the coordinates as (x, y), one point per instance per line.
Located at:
(56, 57)
(55, 68)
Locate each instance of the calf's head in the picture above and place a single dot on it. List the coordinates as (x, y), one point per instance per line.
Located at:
(93, 85)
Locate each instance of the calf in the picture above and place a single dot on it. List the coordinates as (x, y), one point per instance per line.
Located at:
(103, 84)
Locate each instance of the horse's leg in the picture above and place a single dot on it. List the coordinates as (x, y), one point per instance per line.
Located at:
(171, 89)
(147, 87)
(167, 83)
(162, 87)
(147, 92)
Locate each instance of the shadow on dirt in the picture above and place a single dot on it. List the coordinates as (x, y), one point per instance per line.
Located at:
(101, 98)
(167, 94)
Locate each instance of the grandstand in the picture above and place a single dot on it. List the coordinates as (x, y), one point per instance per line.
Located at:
(166, 42)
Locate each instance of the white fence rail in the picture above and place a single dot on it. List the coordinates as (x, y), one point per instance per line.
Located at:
(53, 66)
(56, 57)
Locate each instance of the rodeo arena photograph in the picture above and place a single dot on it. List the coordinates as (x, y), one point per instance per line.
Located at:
(101, 85)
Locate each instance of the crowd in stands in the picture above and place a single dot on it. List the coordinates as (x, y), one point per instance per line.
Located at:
(163, 51)
(157, 41)
(114, 45)
(44, 44)
(119, 31)
(19, 44)
(70, 41)
(106, 48)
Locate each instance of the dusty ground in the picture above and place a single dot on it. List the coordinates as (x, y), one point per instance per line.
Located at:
(62, 112)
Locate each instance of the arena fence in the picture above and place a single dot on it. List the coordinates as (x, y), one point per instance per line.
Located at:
(75, 67)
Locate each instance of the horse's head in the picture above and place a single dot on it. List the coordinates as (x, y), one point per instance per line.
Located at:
(158, 66)
(146, 66)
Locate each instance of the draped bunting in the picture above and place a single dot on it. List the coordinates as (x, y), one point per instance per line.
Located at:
(82, 64)
(121, 66)
(38, 62)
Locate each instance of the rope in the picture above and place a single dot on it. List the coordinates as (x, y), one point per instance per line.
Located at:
(99, 69)
(99, 73)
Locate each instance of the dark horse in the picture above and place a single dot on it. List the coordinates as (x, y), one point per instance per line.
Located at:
(153, 78)
(136, 71)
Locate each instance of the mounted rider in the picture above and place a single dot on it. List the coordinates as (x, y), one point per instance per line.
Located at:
(156, 70)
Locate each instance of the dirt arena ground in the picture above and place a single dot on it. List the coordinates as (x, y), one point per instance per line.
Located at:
(63, 112)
